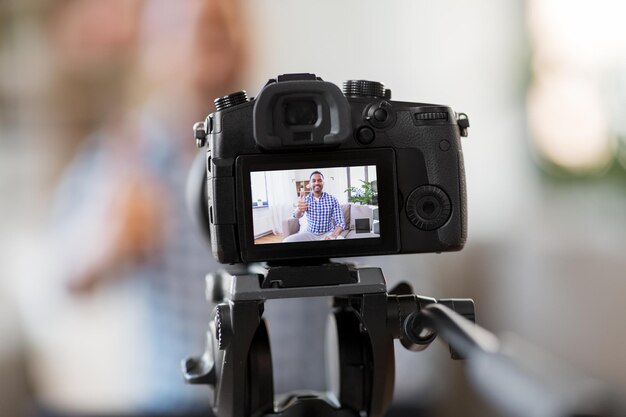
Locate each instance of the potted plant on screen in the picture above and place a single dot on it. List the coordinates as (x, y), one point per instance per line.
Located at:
(364, 195)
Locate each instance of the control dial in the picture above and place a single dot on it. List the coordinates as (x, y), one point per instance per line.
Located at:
(231, 100)
(428, 207)
(364, 88)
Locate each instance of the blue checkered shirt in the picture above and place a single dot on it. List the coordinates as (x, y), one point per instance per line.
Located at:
(323, 214)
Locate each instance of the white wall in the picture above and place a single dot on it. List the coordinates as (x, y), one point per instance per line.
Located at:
(464, 54)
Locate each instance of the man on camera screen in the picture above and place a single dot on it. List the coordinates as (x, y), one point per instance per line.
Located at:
(324, 215)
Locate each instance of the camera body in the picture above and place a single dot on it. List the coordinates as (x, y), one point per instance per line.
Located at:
(394, 169)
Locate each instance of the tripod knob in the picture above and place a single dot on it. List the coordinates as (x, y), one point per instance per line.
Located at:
(223, 326)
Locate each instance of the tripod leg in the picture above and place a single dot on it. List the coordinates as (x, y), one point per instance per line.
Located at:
(242, 319)
(366, 355)
(354, 358)
(260, 381)
(373, 314)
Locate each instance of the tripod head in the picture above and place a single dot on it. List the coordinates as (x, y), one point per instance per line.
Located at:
(237, 362)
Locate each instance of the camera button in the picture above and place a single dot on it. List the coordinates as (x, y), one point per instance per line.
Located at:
(428, 207)
(365, 135)
(380, 115)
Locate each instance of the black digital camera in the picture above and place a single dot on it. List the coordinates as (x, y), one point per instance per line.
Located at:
(305, 170)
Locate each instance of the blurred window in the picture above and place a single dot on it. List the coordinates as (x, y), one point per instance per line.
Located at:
(577, 97)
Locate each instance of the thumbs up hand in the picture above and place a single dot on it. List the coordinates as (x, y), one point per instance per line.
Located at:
(302, 206)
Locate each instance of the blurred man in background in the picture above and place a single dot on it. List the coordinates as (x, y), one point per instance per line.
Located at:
(116, 299)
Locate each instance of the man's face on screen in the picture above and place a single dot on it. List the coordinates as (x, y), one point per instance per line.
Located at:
(317, 183)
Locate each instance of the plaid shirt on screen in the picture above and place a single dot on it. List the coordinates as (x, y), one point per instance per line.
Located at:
(323, 214)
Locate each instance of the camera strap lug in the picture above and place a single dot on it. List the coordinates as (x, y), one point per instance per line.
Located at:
(463, 121)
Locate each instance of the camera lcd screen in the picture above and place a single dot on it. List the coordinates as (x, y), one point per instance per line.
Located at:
(315, 204)
(275, 225)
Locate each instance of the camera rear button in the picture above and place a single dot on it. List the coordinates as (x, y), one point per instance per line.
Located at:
(365, 135)
(380, 115)
(428, 207)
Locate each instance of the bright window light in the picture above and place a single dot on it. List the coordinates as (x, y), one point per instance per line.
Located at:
(578, 47)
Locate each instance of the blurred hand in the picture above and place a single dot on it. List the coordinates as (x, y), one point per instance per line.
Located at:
(138, 213)
(130, 234)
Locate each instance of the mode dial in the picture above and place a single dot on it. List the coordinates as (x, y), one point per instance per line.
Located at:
(364, 88)
(231, 100)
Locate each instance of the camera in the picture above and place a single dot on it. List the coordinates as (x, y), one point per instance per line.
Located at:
(303, 173)
(308, 171)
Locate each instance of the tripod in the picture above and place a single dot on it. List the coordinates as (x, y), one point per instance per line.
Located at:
(237, 362)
